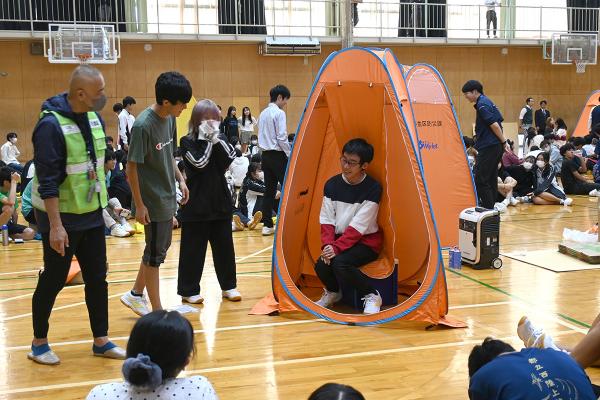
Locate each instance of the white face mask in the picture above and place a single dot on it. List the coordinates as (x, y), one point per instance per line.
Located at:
(209, 127)
(541, 164)
(254, 142)
(261, 175)
(13, 140)
(527, 165)
(546, 149)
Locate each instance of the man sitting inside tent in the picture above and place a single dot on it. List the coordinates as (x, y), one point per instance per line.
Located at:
(350, 236)
(498, 372)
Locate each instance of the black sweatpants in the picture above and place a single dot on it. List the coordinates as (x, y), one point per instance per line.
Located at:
(490, 18)
(486, 174)
(89, 247)
(273, 165)
(346, 267)
(195, 237)
(583, 188)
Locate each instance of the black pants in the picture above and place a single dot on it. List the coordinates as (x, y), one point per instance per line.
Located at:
(89, 247)
(490, 18)
(345, 266)
(195, 237)
(486, 174)
(273, 165)
(583, 188)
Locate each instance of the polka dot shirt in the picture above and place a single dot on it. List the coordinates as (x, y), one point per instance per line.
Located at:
(192, 387)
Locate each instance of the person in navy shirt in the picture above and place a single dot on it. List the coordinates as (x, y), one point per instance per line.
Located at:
(490, 143)
(498, 372)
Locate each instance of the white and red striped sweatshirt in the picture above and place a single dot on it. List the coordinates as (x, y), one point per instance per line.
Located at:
(349, 214)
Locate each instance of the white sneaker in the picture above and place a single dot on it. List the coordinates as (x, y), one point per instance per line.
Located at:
(195, 299)
(595, 192)
(128, 228)
(567, 201)
(513, 202)
(329, 298)
(118, 231)
(256, 218)
(524, 199)
(372, 303)
(137, 304)
(266, 231)
(500, 207)
(534, 337)
(232, 294)
(237, 221)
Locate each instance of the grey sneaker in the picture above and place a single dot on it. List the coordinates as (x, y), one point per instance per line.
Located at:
(47, 358)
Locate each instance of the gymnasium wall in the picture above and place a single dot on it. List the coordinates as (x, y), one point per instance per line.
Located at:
(236, 74)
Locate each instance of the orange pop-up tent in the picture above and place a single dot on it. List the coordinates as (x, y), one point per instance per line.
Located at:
(582, 129)
(362, 93)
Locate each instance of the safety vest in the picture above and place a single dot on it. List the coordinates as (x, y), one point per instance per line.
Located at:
(73, 192)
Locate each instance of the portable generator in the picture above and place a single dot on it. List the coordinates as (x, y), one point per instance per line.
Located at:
(479, 237)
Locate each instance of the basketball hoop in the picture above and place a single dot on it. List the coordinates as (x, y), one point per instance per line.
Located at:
(580, 65)
(84, 58)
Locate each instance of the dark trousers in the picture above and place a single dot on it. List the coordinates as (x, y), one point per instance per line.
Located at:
(490, 18)
(346, 267)
(89, 247)
(195, 237)
(583, 188)
(273, 165)
(486, 174)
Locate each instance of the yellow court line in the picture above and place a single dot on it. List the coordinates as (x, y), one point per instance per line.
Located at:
(269, 364)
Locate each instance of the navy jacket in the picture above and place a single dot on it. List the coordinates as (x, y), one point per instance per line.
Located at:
(487, 114)
(50, 154)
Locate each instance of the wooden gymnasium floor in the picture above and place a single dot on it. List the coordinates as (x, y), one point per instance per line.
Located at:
(286, 357)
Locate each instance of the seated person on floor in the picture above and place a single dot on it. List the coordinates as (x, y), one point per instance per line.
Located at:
(248, 213)
(26, 206)
(506, 186)
(160, 347)
(115, 215)
(509, 157)
(497, 371)
(556, 159)
(350, 236)
(9, 180)
(546, 190)
(253, 148)
(523, 174)
(116, 182)
(239, 168)
(571, 176)
(471, 152)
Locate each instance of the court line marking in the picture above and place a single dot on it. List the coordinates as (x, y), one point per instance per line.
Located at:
(23, 296)
(239, 327)
(271, 364)
(222, 329)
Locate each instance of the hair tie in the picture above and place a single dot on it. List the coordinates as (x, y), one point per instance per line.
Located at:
(143, 362)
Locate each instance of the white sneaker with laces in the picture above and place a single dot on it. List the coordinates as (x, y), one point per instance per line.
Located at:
(372, 303)
(266, 231)
(534, 337)
(513, 201)
(232, 294)
(118, 231)
(195, 299)
(128, 227)
(329, 298)
(595, 192)
(500, 207)
(566, 202)
(137, 304)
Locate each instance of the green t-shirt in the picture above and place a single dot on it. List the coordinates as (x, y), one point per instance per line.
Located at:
(4, 195)
(151, 148)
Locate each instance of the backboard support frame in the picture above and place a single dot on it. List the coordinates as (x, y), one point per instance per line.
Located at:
(82, 43)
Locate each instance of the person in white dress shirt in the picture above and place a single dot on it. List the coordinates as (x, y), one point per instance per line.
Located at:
(10, 152)
(276, 149)
(126, 120)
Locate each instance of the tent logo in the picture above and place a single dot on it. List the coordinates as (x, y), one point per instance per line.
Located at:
(423, 124)
(428, 145)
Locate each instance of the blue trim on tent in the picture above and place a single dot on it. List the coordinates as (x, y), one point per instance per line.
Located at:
(581, 112)
(441, 78)
(276, 268)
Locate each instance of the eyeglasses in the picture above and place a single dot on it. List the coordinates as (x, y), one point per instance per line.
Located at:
(350, 163)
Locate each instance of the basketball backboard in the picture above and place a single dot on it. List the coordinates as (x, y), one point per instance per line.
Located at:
(75, 44)
(574, 48)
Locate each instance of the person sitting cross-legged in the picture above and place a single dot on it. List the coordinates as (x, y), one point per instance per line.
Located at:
(350, 236)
